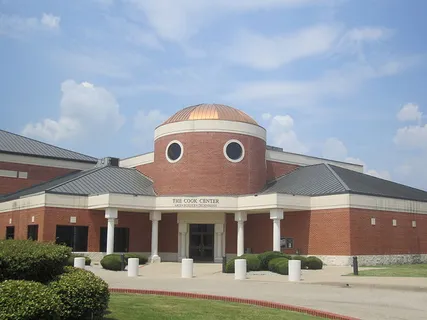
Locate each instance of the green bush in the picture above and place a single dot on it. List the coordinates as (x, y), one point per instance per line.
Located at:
(29, 300)
(142, 258)
(314, 263)
(31, 260)
(303, 261)
(82, 294)
(70, 261)
(266, 257)
(252, 263)
(112, 262)
(279, 265)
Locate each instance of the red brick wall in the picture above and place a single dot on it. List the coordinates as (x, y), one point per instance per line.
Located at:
(258, 232)
(277, 169)
(168, 233)
(296, 225)
(36, 174)
(383, 237)
(203, 168)
(21, 219)
(230, 233)
(147, 169)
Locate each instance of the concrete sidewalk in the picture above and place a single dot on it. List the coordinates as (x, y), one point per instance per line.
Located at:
(315, 291)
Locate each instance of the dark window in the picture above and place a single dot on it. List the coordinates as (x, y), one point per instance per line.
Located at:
(33, 232)
(121, 240)
(286, 243)
(10, 232)
(174, 151)
(234, 151)
(73, 236)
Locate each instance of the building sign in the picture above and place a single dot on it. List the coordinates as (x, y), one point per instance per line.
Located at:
(195, 202)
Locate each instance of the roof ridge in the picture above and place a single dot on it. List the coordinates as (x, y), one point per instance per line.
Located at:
(48, 144)
(337, 177)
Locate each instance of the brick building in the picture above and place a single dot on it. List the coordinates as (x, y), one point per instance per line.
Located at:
(211, 187)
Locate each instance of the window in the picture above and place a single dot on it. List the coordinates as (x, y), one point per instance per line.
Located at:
(33, 232)
(286, 243)
(234, 151)
(73, 236)
(121, 240)
(10, 232)
(174, 151)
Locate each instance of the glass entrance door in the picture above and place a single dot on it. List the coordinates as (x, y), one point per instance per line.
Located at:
(202, 242)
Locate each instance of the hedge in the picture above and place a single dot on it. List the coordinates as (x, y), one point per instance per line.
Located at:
(314, 263)
(83, 295)
(112, 262)
(31, 260)
(279, 265)
(142, 258)
(252, 263)
(29, 300)
(70, 261)
(302, 259)
(266, 257)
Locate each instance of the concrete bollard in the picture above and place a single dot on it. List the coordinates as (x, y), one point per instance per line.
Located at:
(240, 269)
(133, 264)
(79, 262)
(294, 270)
(187, 268)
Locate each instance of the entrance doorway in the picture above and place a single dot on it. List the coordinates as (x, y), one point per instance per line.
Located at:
(202, 242)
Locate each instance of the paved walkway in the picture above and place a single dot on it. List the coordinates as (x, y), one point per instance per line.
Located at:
(327, 290)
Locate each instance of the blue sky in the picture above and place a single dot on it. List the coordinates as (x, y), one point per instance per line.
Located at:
(335, 78)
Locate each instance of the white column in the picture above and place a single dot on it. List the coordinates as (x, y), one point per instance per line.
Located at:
(219, 230)
(276, 215)
(182, 229)
(155, 217)
(240, 217)
(111, 214)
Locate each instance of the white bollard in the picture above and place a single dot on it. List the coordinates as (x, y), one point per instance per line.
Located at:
(294, 270)
(79, 262)
(133, 265)
(187, 268)
(240, 269)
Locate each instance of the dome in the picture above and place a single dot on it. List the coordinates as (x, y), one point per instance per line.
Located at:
(210, 112)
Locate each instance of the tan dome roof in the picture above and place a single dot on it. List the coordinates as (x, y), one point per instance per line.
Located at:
(210, 112)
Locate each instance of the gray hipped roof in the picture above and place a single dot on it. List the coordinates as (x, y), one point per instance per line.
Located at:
(16, 144)
(98, 180)
(325, 179)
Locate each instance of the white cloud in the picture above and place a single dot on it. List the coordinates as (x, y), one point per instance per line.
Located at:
(335, 149)
(16, 26)
(270, 52)
(409, 112)
(179, 20)
(266, 116)
(282, 134)
(413, 137)
(85, 110)
(145, 123)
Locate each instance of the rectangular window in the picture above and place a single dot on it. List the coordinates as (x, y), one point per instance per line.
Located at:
(286, 243)
(121, 240)
(74, 237)
(33, 232)
(10, 232)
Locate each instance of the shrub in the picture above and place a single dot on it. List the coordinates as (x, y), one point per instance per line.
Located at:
(31, 260)
(279, 265)
(83, 295)
(112, 262)
(29, 300)
(142, 258)
(252, 263)
(266, 257)
(70, 261)
(314, 263)
(302, 259)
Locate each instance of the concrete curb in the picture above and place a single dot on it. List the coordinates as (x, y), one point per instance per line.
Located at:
(261, 303)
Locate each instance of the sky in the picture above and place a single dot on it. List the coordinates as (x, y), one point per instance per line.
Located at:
(340, 79)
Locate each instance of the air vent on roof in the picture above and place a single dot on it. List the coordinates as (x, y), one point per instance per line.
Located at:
(108, 161)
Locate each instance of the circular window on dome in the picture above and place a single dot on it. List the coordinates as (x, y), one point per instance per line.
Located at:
(174, 151)
(234, 151)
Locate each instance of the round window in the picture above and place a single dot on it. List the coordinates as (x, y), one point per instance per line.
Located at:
(174, 151)
(234, 151)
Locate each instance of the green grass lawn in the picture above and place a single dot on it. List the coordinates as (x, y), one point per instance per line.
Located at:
(403, 270)
(132, 306)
